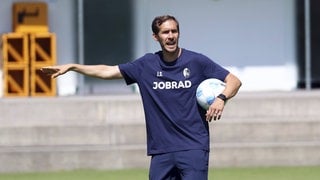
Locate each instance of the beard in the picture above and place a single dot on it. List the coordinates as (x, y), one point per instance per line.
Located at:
(170, 48)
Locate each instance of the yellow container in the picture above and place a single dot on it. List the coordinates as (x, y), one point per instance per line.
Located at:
(42, 53)
(16, 80)
(30, 17)
(15, 49)
(42, 48)
(40, 83)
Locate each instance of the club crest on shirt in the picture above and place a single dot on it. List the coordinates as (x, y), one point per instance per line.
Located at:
(186, 73)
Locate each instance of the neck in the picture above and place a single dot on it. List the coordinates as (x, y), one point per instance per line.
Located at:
(170, 57)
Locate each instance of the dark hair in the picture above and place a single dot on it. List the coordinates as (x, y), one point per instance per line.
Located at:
(156, 23)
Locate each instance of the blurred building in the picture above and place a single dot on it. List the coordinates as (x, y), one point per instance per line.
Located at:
(261, 41)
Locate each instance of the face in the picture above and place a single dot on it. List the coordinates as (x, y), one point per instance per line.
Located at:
(168, 36)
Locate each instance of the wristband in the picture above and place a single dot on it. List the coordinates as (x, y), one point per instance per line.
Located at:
(223, 97)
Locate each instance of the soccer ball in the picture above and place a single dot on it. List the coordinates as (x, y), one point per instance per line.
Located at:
(208, 90)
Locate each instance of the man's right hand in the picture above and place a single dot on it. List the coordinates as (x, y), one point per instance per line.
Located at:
(55, 71)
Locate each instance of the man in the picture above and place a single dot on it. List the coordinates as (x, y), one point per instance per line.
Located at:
(177, 127)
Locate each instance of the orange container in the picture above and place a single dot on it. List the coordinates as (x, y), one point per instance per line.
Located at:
(16, 80)
(15, 49)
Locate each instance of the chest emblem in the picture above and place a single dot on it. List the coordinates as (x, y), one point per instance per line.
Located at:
(186, 73)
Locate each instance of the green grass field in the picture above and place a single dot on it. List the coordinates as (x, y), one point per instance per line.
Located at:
(272, 173)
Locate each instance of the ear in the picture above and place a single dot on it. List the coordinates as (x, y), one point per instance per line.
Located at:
(155, 37)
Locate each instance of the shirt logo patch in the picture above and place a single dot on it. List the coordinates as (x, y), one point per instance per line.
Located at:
(186, 73)
(159, 74)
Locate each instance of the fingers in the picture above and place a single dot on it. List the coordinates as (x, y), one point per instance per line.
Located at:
(51, 71)
(214, 115)
(215, 110)
(217, 116)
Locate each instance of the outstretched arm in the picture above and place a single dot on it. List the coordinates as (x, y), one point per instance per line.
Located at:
(98, 71)
(233, 85)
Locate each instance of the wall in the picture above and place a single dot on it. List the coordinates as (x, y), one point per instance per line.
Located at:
(255, 39)
(108, 132)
